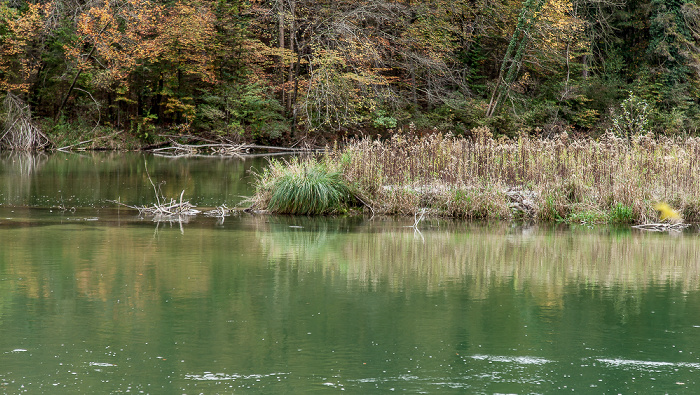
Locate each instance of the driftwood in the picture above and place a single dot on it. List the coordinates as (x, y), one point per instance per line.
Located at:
(166, 210)
(221, 211)
(177, 149)
(220, 148)
(662, 227)
(174, 210)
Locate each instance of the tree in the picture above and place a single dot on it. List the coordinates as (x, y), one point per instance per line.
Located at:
(20, 46)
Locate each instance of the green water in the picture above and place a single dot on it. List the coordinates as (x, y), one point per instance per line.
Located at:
(94, 299)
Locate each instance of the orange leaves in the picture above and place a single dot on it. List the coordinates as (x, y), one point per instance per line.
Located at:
(117, 37)
(17, 42)
(186, 38)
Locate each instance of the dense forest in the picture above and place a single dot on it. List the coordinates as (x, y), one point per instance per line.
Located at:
(278, 71)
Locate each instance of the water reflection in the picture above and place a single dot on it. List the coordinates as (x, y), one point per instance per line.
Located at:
(550, 258)
(91, 179)
(99, 300)
(542, 261)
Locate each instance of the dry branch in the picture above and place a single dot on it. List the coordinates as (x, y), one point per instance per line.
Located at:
(76, 146)
(222, 149)
(19, 132)
(165, 210)
(221, 211)
(662, 227)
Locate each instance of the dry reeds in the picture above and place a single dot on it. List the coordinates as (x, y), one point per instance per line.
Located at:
(605, 180)
(19, 133)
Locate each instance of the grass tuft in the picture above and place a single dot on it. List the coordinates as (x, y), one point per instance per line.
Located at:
(621, 214)
(302, 187)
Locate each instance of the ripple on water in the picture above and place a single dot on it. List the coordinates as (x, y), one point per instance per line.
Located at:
(102, 364)
(646, 365)
(518, 360)
(209, 376)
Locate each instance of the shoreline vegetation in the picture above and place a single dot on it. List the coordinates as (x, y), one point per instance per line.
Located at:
(610, 180)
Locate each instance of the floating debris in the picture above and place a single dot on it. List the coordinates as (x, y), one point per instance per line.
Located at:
(662, 227)
(221, 211)
(223, 149)
(174, 210)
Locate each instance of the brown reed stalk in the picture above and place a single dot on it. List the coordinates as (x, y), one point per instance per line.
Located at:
(566, 177)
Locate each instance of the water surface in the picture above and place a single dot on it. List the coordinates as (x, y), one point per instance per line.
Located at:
(94, 299)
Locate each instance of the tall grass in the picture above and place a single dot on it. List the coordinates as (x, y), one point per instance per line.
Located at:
(560, 177)
(302, 187)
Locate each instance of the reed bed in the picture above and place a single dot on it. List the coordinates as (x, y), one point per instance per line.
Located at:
(560, 179)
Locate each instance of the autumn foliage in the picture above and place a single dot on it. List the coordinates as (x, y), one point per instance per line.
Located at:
(285, 70)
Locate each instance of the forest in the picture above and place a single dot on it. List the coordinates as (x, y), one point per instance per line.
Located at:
(283, 71)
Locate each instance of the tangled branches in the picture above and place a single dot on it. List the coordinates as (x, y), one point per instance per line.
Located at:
(19, 132)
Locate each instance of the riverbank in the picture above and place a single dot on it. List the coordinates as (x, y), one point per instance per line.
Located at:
(609, 180)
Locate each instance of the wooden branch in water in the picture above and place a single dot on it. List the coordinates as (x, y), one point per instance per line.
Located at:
(172, 208)
(662, 227)
(227, 149)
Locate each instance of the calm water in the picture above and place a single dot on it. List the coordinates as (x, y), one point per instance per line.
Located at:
(94, 299)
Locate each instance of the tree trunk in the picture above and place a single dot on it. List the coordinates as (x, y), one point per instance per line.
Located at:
(280, 22)
(292, 35)
(515, 52)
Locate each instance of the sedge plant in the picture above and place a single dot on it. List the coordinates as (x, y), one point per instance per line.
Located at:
(302, 187)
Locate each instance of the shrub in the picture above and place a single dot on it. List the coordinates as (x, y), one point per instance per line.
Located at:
(383, 121)
(633, 117)
(235, 109)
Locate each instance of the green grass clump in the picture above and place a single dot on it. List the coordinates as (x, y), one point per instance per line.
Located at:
(303, 188)
(621, 214)
(588, 217)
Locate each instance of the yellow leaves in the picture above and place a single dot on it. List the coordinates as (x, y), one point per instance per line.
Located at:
(667, 213)
(117, 37)
(186, 37)
(285, 56)
(560, 23)
(17, 64)
(115, 33)
(177, 106)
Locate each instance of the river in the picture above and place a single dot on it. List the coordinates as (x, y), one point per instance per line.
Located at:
(95, 299)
